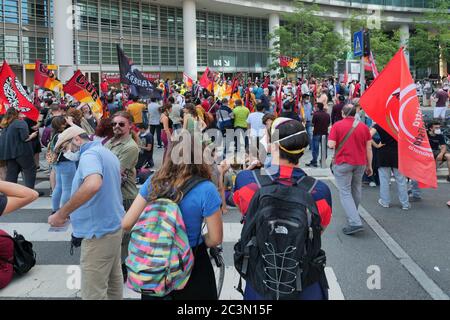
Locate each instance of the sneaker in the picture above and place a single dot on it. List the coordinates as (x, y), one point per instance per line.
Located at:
(311, 165)
(380, 202)
(372, 184)
(406, 208)
(414, 199)
(352, 230)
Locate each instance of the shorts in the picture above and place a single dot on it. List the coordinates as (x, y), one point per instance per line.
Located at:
(436, 153)
(439, 112)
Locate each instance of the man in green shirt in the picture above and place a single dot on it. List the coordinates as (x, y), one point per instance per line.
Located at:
(240, 115)
(127, 150)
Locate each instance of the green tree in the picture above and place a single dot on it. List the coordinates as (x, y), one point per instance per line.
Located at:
(306, 36)
(431, 39)
(384, 43)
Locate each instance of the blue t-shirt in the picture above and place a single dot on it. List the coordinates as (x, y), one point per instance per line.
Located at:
(201, 202)
(103, 213)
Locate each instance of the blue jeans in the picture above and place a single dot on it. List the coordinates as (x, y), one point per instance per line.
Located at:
(309, 131)
(65, 171)
(316, 144)
(402, 186)
(415, 190)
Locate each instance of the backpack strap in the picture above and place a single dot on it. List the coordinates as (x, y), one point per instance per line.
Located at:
(306, 183)
(262, 180)
(191, 184)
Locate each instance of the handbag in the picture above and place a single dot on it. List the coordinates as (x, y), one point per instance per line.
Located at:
(24, 255)
(339, 148)
(51, 156)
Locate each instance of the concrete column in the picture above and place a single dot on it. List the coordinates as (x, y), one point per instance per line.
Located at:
(190, 38)
(274, 24)
(404, 39)
(339, 27)
(442, 65)
(347, 34)
(63, 38)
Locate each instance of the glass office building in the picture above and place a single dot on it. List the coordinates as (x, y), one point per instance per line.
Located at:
(165, 37)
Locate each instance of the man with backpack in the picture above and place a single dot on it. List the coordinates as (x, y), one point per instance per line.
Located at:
(283, 210)
(96, 210)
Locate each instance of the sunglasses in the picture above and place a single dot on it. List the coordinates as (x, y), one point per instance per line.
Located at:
(121, 124)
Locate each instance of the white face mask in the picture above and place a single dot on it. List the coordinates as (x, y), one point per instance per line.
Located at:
(437, 131)
(72, 156)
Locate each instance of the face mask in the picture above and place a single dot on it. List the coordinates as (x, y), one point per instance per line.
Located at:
(437, 131)
(72, 156)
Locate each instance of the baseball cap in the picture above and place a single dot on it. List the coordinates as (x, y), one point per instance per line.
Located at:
(68, 134)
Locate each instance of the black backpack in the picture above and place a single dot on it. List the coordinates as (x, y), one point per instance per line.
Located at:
(24, 255)
(279, 252)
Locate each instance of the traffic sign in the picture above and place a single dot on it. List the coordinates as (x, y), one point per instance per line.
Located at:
(358, 43)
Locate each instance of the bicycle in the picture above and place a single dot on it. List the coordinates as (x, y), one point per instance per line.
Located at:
(218, 266)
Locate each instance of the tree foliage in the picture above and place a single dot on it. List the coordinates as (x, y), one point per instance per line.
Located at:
(310, 38)
(384, 43)
(431, 38)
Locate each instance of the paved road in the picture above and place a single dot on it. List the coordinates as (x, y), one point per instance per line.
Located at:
(409, 250)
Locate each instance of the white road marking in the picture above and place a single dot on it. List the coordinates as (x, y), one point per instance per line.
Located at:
(40, 231)
(48, 281)
(413, 268)
(51, 282)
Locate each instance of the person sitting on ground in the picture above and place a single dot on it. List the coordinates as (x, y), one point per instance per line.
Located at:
(437, 143)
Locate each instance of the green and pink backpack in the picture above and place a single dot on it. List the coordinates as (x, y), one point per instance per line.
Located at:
(160, 259)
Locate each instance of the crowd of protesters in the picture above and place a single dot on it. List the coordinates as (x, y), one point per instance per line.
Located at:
(96, 163)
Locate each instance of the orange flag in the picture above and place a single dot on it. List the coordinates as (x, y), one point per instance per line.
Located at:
(80, 88)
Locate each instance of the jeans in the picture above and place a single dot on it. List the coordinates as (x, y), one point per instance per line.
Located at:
(415, 190)
(65, 171)
(309, 131)
(402, 186)
(316, 144)
(349, 181)
(25, 164)
(157, 128)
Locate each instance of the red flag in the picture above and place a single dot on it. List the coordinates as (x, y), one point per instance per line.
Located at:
(297, 98)
(45, 78)
(391, 101)
(207, 80)
(279, 98)
(234, 85)
(80, 88)
(187, 81)
(266, 82)
(13, 95)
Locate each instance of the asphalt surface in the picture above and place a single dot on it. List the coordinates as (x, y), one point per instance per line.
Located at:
(422, 232)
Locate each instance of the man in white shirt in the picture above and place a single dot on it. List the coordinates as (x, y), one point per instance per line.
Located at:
(256, 127)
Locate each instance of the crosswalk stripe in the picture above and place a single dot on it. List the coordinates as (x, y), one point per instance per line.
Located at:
(40, 231)
(39, 204)
(335, 291)
(61, 281)
(50, 281)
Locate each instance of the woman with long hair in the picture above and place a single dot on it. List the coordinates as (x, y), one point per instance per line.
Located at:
(167, 127)
(192, 121)
(16, 149)
(64, 168)
(202, 203)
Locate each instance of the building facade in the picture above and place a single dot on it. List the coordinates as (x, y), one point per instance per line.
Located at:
(164, 37)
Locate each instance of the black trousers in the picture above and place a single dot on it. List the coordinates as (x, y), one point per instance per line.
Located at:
(157, 128)
(25, 164)
(201, 284)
